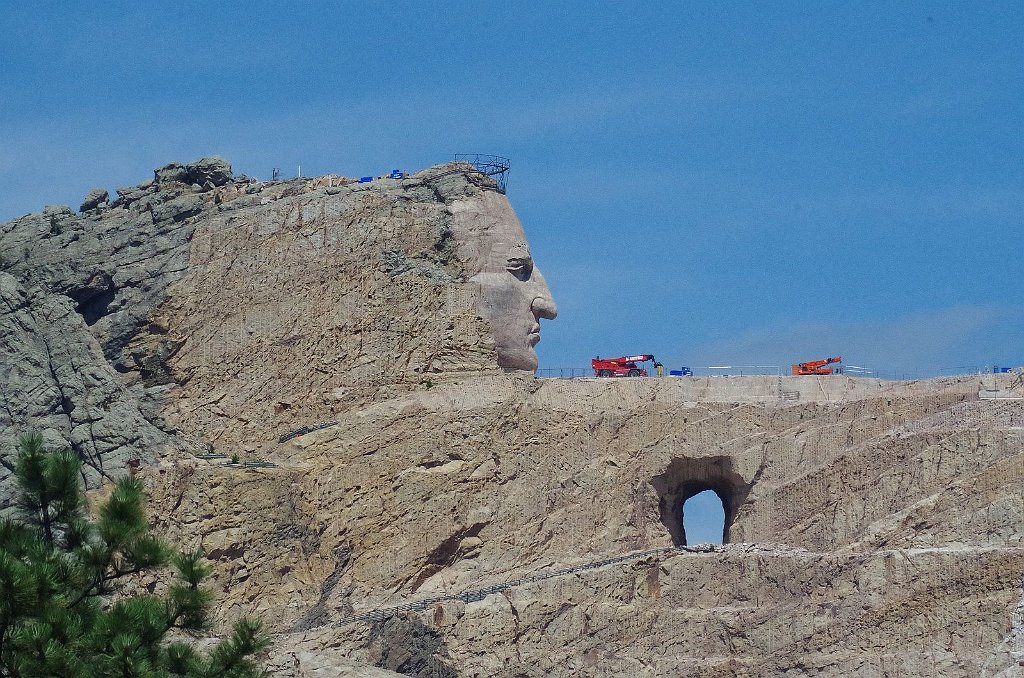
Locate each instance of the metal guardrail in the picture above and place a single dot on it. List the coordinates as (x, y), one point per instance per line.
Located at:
(495, 166)
(257, 464)
(239, 464)
(564, 372)
(306, 429)
(784, 371)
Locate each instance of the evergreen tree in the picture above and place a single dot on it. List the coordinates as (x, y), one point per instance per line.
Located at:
(60, 570)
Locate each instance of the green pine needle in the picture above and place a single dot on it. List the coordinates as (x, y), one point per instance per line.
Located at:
(57, 566)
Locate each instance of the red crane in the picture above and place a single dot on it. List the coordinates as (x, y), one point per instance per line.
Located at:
(818, 366)
(623, 366)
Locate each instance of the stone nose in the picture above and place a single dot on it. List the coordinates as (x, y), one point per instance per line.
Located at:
(544, 307)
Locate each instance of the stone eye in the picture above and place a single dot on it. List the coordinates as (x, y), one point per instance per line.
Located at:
(520, 267)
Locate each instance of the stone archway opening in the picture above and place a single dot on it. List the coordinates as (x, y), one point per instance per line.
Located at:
(685, 478)
(704, 518)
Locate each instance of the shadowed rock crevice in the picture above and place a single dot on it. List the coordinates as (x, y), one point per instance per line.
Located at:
(317, 615)
(93, 299)
(686, 477)
(447, 553)
(410, 647)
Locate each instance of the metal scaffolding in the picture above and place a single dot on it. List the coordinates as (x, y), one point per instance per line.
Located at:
(492, 165)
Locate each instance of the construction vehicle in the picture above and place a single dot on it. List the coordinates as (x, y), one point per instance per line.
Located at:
(818, 366)
(624, 366)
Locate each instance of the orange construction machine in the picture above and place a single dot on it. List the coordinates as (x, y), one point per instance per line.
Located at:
(625, 366)
(818, 366)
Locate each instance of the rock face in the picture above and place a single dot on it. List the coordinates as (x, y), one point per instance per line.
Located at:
(212, 170)
(204, 173)
(874, 528)
(351, 289)
(430, 514)
(94, 199)
(173, 171)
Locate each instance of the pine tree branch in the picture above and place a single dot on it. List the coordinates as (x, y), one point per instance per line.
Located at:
(70, 557)
(3, 640)
(44, 519)
(100, 582)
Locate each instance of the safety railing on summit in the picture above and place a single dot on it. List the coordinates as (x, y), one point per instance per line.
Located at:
(494, 166)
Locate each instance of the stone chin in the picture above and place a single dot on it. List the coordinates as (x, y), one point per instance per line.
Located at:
(519, 357)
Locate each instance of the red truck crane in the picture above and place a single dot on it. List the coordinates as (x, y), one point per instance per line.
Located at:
(623, 366)
(818, 366)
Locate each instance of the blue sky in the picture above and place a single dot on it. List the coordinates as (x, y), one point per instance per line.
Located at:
(740, 183)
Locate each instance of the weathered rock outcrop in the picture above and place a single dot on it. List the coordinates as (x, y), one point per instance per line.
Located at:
(877, 527)
(93, 199)
(446, 518)
(195, 299)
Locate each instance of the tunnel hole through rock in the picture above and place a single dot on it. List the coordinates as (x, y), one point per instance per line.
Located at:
(690, 478)
(704, 518)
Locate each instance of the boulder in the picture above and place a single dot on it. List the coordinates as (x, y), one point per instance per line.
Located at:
(212, 169)
(93, 199)
(174, 171)
(126, 195)
(188, 205)
(57, 211)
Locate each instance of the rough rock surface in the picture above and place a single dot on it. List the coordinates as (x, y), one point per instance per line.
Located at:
(122, 325)
(522, 527)
(172, 171)
(93, 199)
(884, 520)
(211, 170)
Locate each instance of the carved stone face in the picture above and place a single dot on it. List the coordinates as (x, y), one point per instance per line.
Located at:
(515, 295)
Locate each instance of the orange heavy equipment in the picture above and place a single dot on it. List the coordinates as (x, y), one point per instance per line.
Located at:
(818, 366)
